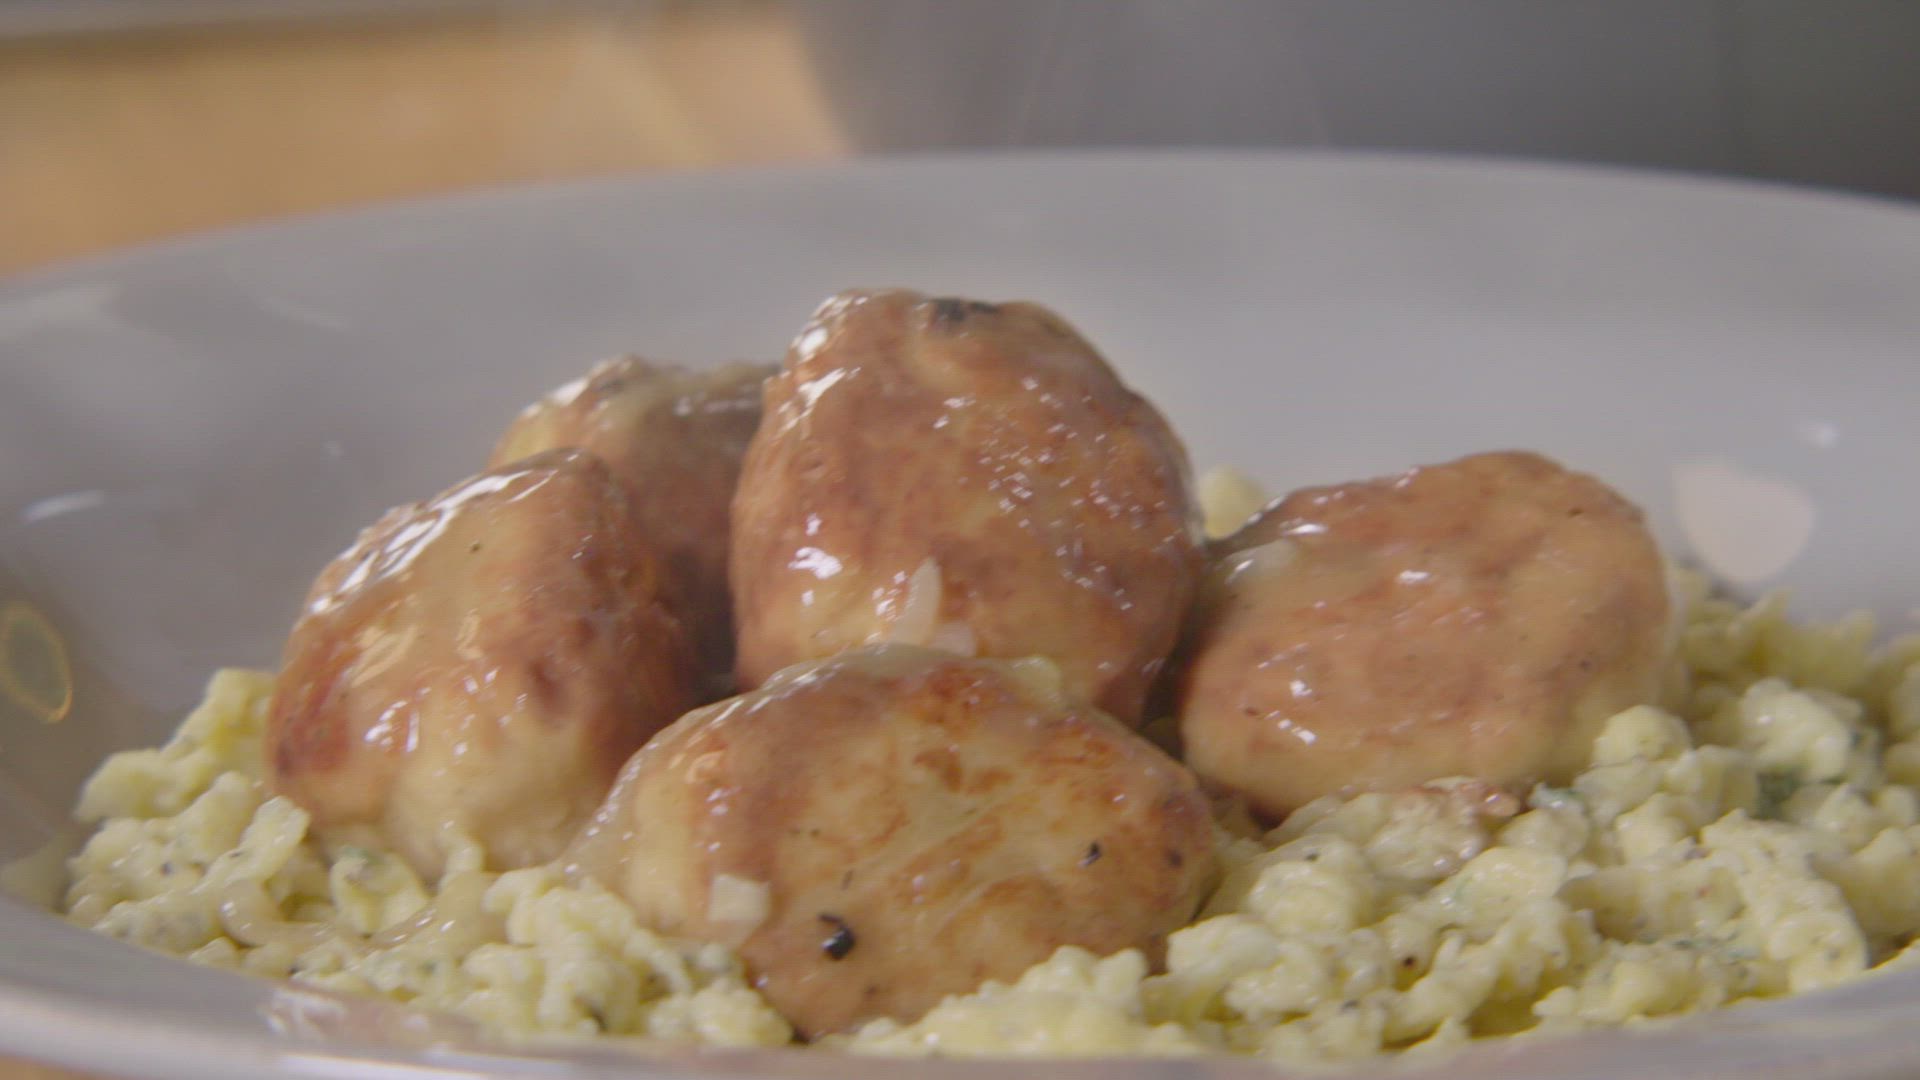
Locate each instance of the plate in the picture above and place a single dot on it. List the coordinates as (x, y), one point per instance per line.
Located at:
(188, 431)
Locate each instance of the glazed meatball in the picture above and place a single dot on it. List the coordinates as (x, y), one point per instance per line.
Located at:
(1475, 618)
(479, 665)
(967, 476)
(675, 437)
(878, 830)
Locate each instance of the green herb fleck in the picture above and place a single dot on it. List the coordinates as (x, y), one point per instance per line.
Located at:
(1776, 788)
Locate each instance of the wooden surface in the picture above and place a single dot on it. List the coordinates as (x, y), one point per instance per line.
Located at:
(112, 140)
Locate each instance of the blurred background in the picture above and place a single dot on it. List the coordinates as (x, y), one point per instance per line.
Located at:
(128, 120)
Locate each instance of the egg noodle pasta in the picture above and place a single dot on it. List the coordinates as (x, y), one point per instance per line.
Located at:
(1759, 835)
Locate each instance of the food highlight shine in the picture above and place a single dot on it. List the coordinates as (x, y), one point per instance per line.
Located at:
(999, 752)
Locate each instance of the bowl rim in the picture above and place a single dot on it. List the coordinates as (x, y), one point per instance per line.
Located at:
(1856, 1030)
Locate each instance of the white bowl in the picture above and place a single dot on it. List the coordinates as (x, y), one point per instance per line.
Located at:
(187, 432)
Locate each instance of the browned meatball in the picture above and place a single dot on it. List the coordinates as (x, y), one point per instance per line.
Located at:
(1474, 618)
(480, 664)
(968, 476)
(676, 437)
(878, 830)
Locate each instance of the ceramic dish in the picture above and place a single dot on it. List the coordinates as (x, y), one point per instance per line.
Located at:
(187, 431)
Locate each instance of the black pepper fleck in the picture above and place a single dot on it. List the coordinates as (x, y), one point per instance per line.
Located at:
(839, 943)
(1093, 854)
(948, 311)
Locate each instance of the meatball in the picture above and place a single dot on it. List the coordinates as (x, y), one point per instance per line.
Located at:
(676, 437)
(479, 665)
(1474, 618)
(875, 831)
(968, 476)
